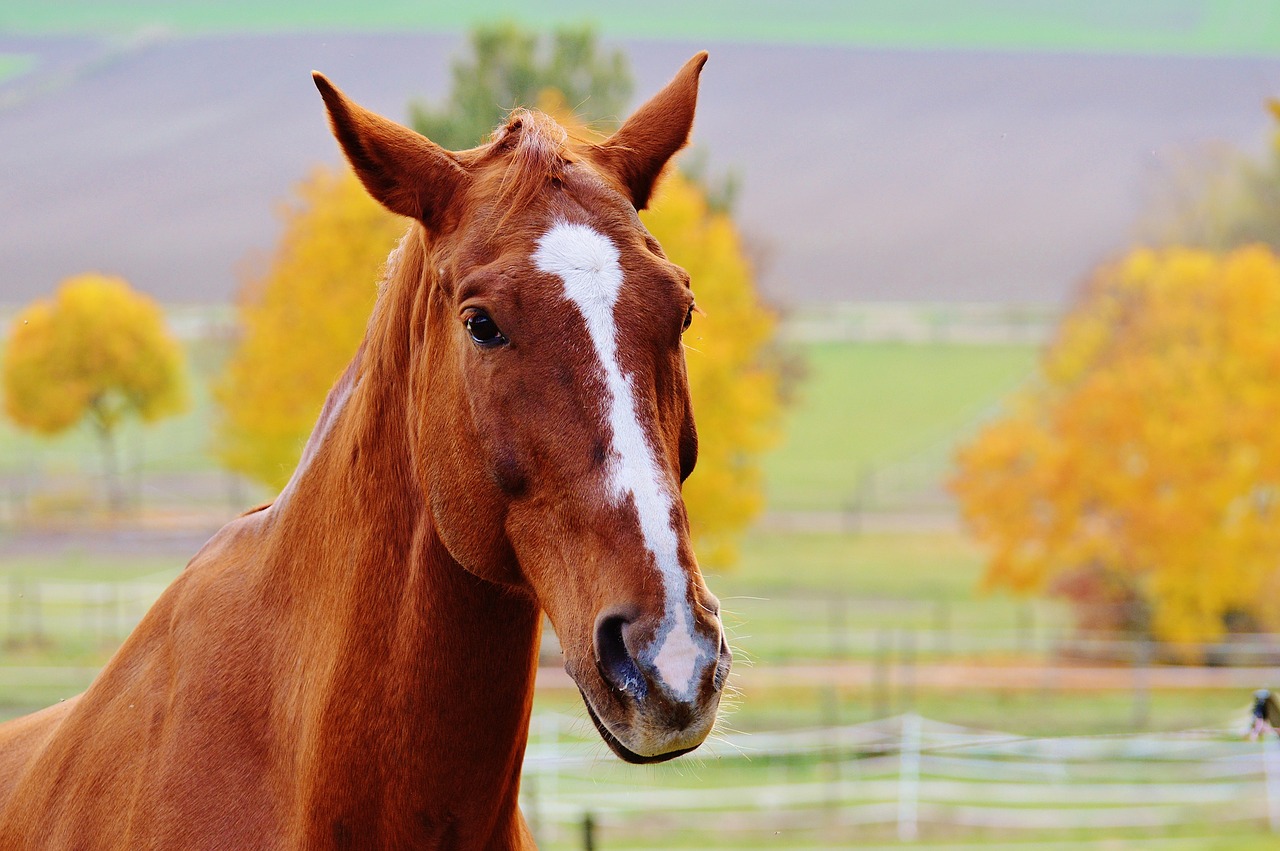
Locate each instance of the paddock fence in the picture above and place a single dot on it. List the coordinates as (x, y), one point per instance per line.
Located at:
(902, 778)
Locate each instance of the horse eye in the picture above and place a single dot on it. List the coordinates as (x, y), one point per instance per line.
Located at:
(688, 320)
(484, 330)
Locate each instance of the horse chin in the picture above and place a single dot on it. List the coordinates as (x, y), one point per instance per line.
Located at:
(623, 752)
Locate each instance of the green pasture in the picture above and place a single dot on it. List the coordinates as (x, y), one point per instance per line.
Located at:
(893, 583)
(1029, 712)
(1199, 27)
(871, 409)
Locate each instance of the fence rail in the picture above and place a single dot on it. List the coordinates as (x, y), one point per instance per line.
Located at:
(790, 628)
(909, 773)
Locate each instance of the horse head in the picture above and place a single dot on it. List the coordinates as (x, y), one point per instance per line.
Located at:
(550, 422)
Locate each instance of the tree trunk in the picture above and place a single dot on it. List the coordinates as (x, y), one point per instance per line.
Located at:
(110, 465)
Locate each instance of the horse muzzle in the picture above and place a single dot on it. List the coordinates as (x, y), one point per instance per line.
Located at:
(654, 689)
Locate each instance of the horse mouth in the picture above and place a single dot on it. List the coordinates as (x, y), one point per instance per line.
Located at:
(622, 751)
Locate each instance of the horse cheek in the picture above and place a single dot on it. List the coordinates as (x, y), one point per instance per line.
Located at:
(470, 509)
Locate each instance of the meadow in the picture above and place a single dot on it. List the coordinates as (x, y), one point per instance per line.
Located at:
(884, 406)
(1097, 27)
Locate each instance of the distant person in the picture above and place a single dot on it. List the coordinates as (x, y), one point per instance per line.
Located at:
(1266, 714)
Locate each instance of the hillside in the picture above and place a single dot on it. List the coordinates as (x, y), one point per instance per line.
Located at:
(868, 173)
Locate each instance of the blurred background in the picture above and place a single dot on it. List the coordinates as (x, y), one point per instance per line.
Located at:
(987, 382)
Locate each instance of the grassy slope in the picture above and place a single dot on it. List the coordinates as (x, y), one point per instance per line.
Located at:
(1143, 26)
(880, 405)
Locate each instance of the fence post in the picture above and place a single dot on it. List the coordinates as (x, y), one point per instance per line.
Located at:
(880, 679)
(1142, 684)
(907, 669)
(550, 724)
(15, 609)
(860, 501)
(114, 629)
(1271, 765)
(831, 745)
(942, 629)
(34, 614)
(909, 779)
(1026, 628)
(837, 624)
(533, 804)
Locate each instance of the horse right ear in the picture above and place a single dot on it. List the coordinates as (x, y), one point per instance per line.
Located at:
(639, 151)
(404, 171)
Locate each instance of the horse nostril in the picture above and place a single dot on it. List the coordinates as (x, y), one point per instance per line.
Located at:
(614, 660)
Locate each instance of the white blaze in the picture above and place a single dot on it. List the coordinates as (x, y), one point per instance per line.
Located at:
(587, 262)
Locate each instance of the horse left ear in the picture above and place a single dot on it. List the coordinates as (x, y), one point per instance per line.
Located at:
(404, 171)
(638, 152)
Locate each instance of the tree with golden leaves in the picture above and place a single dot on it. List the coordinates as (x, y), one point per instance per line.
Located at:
(1140, 473)
(303, 320)
(98, 352)
(300, 321)
(734, 370)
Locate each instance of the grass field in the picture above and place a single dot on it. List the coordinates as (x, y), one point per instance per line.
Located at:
(1209, 27)
(874, 406)
(895, 579)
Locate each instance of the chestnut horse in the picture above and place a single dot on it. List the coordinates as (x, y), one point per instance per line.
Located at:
(352, 665)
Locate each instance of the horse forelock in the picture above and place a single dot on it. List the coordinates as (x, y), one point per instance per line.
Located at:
(533, 150)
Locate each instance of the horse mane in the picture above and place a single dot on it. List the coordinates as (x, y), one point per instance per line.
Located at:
(537, 149)
(405, 259)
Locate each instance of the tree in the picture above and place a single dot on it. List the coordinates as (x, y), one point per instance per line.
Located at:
(301, 320)
(734, 367)
(507, 69)
(1218, 198)
(1139, 475)
(97, 351)
(304, 318)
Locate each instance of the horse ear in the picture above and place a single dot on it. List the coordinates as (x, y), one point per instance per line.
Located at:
(638, 152)
(404, 171)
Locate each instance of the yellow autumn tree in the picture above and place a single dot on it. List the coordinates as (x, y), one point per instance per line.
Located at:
(98, 351)
(304, 318)
(300, 320)
(1139, 475)
(733, 366)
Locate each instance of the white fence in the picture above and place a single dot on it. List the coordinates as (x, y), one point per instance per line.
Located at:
(923, 322)
(906, 774)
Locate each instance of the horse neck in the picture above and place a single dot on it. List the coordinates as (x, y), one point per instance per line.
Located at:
(416, 677)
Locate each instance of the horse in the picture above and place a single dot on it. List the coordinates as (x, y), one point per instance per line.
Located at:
(352, 664)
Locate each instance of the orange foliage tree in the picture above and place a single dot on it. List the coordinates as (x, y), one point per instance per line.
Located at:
(303, 319)
(1141, 471)
(98, 351)
(733, 366)
(300, 321)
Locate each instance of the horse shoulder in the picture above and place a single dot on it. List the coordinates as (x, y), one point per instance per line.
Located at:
(168, 739)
